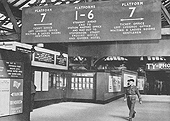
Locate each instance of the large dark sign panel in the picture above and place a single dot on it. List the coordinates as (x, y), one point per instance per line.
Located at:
(11, 69)
(96, 21)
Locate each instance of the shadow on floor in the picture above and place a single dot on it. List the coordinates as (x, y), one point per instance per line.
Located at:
(120, 117)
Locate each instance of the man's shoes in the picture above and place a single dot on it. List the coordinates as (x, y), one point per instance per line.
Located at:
(130, 119)
(133, 116)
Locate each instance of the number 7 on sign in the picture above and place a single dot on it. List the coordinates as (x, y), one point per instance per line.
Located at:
(43, 16)
(132, 12)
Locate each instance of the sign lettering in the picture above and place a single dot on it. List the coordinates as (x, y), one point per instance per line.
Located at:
(94, 21)
(158, 66)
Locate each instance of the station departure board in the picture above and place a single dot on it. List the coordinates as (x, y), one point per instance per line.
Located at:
(114, 20)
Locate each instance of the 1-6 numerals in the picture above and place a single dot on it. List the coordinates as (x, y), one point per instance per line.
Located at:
(90, 15)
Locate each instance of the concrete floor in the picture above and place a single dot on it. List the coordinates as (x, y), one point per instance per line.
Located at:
(153, 108)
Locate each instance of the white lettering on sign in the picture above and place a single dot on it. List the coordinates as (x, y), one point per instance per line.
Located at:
(85, 7)
(42, 10)
(132, 4)
(158, 66)
(15, 102)
(83, 74)
(16, 110)
(17, 94)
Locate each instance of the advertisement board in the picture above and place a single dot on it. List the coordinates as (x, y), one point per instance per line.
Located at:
(92, 21)
(157, 66)
(16, 96)
(11, 92)
(140, 83)
(129, 75)
(114, 83)
(5, 93)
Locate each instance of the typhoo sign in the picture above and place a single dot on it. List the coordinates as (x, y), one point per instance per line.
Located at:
(157, 66)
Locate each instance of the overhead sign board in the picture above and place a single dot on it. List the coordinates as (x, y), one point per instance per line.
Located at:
(94, 21)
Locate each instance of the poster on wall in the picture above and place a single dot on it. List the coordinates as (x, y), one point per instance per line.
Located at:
(45, 78)
(16, 96)
(129, 75)
(4, 94)
(11, 93)
(37, 80)
(114, 84)
(140, 83)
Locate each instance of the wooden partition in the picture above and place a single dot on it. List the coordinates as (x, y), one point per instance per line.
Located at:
(108, 86)
(62, 85)
(81, 85)
(84, 86)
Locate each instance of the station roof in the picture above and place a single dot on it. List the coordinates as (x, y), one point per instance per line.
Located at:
(11, 14)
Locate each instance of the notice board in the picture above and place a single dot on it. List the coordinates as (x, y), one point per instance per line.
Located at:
(114, 20)
(127, 74)
(49, 59)
(114, 84)
(11, 87)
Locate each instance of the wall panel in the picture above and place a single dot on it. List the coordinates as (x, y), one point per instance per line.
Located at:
(126, 48)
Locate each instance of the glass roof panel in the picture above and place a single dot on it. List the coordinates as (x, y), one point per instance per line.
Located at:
(19, 2)
(10, 1)
(9, 25)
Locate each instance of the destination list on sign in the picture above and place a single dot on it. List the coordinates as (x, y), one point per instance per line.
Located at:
(43, 31)
(85, 30)
(132, 23)
(132, 28)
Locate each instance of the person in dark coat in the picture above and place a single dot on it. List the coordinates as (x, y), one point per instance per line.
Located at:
(33, 91)
(130, 96)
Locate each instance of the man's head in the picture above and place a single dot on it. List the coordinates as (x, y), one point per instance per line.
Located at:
(130, 82)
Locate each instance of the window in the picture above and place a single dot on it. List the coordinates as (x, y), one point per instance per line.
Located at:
(57, 80)
(79, 83)
(41, 80)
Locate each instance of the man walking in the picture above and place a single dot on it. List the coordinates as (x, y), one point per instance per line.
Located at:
(130, 95)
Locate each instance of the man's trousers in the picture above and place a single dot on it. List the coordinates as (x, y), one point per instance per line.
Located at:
(131, 100)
